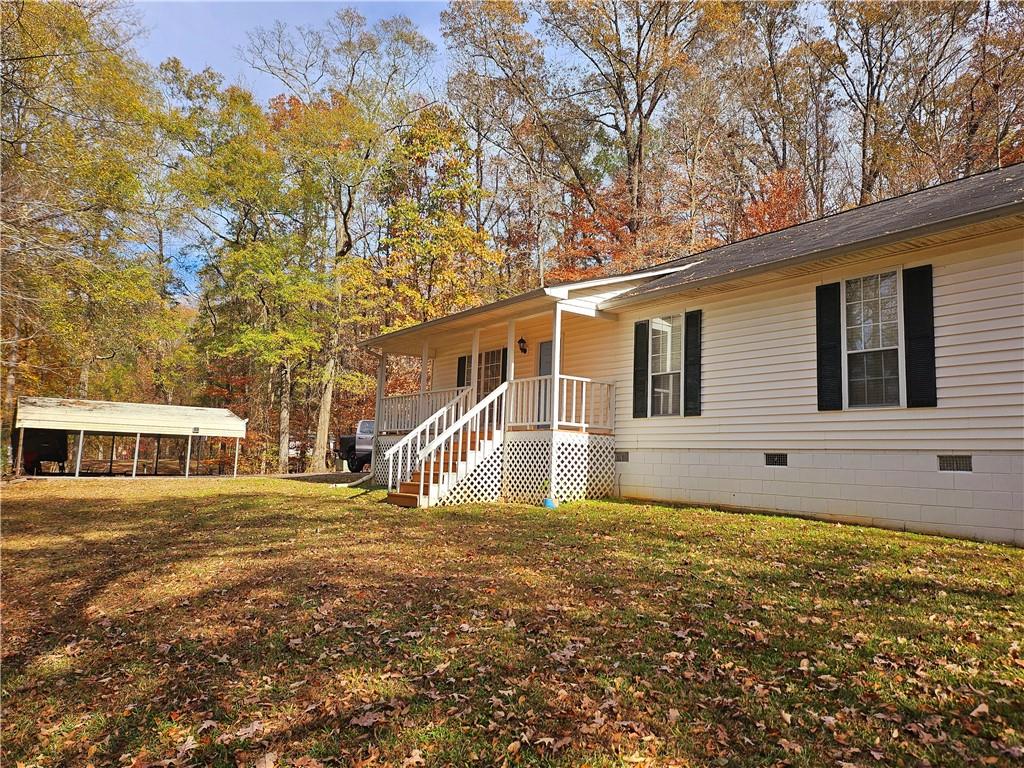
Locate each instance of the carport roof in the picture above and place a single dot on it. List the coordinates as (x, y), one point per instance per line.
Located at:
(126, 418)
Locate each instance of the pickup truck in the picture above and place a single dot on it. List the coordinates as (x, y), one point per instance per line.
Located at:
(357, 449)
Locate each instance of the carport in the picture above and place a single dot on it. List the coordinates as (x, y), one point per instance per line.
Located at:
(44, 425)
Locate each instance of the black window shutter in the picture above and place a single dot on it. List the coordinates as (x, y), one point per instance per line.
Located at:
(460, 379)
(504, 364)
(641, 340)
(691, 364)
(919, 333)
(830, 348)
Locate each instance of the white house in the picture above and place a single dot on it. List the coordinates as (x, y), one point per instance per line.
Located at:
(867, 367)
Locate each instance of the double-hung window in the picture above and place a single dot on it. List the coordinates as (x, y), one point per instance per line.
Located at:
(666, 365)
(872, 340)
(490, 371)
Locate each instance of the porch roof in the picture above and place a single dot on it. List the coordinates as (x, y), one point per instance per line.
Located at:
(409, 341)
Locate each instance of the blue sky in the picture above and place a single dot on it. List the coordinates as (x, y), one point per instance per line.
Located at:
(209, 34)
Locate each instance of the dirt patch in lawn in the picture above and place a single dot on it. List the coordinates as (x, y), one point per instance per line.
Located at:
(225, 622)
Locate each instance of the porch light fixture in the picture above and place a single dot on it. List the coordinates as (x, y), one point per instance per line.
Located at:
(522, 345)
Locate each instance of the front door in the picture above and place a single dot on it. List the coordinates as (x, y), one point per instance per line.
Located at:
(544, 359)
(544, 391)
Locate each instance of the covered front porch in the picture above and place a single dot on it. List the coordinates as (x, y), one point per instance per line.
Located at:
(511, 405)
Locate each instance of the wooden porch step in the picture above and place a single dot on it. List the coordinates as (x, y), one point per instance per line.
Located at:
(413, 487)
(404, 499)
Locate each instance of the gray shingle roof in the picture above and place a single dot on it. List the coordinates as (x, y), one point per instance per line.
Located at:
(955, 203)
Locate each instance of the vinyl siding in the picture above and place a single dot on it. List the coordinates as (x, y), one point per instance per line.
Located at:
(759, 386)
(759, 375)
(534, 330)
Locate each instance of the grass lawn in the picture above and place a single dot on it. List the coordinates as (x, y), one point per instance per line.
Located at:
(268, 622)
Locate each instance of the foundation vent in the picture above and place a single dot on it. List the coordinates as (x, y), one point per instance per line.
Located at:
(776, 459)
(621, 457)
(955, 464)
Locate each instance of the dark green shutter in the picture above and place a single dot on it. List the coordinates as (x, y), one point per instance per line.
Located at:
(830, 348)
(641, 340)
(504, 364)
(919, 335)
(691, 364)
(460, 379)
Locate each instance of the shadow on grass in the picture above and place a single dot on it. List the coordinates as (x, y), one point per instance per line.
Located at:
(303, 610)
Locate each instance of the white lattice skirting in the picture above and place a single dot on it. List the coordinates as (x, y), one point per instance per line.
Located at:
(585, 469)
(380, 467)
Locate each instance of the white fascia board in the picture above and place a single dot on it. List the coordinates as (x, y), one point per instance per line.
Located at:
(562, 291)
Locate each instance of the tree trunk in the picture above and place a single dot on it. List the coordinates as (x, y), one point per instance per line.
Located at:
(323, 420)
(284, 425)
(11, 379)
(83, 378)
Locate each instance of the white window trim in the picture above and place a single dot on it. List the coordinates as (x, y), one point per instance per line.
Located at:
(901, 349)
(682, 363)
(480, 367)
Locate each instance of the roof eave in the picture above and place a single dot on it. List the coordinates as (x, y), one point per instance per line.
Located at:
(384, 338)
(827, 253)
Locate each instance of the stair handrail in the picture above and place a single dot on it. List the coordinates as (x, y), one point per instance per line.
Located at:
(486, 423)
(404, 447)
(493, 395)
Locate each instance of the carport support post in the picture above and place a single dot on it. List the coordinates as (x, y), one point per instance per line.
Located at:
(188, 454)
(21, 451)
(78, 452)
(156, 458)
(135, 461)
(236, 458)
(110, 466)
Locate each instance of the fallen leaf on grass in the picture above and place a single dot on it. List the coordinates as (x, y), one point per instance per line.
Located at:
(790, 746)
(414, 759)
(981, 709)
(269, 760)
(368, 719)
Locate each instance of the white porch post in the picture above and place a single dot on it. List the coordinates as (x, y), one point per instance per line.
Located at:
(78, 452)
(510, 374)
(235, 474)
(424, 362)
(378, 409)
(473, 364)
(510, 344)
(135, 460)
(382, 374)
(188, 453)
(556, 369)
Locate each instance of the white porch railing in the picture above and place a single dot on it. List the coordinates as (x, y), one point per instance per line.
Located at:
(403, 455)
(584, 404)
(403, 413)
(529, 402)
(454, 453)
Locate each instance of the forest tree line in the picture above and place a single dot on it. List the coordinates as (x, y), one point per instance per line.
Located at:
(167, 237)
